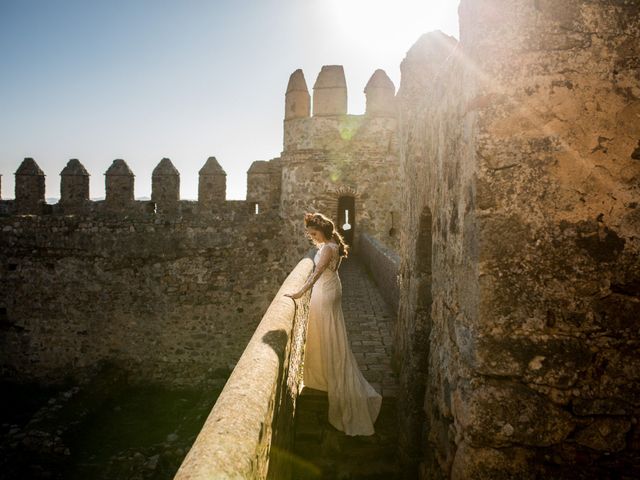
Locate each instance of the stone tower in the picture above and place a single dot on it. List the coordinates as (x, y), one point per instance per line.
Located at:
(29, 187)
(339, 164)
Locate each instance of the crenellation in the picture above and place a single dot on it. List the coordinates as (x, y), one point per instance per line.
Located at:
(380, 92)
(297, 98)
(212, 185)
(74, 186)
(29, 188)
(165, 186)
(330, 92)
(263, 184)
(165, 194)
(119, 181)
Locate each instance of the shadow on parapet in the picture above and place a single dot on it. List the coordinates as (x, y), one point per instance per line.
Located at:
(249, 432)
(263, 191)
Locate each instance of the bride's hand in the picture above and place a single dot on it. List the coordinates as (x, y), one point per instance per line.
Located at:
(293, 295)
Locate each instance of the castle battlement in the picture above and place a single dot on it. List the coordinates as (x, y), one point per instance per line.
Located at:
(331, 127)
(119, 191)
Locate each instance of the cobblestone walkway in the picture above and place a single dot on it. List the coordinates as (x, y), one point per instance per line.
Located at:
(321, 451)
(368, 320)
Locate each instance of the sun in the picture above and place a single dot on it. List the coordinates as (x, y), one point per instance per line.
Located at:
(388, 25)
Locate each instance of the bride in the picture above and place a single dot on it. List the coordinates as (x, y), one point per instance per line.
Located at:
(329, 363)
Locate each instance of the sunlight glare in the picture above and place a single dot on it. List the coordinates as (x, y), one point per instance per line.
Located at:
(385, 26)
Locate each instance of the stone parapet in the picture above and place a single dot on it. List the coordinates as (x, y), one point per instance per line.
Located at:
(383, 264)
(263, 181)
(250, 428)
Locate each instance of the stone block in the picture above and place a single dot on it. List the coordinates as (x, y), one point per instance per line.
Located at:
(504, 414)
(481, 463)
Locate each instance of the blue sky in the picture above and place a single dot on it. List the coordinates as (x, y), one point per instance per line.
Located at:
(188, 79)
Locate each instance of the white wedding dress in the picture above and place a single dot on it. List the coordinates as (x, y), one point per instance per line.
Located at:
(329, 363)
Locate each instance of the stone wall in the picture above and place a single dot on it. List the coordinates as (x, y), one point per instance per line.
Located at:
(518, 325)
(436, 276)
(383, 264)
(172, 296)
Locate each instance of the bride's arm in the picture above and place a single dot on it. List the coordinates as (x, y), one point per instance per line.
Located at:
(323, 263)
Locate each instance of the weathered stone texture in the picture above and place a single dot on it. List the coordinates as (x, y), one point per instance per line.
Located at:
(517, 148)
(264, 180)
(383, 264)
(297, 98)
(212, 185)
(165, 186)
(249, 432)
(170, 297)
(330, 92)
(330, 157)
(74, 185)
(119, 181)
(380, 93)
(29, 187)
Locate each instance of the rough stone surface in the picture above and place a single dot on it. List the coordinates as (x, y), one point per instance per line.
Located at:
(74, 185)
(326, 158)
(263, 184)
(212, 184)
(297, 98)
(330, 92)
(383, 264)
(165, 186)
(29, 187)
(520, 243)
(119, 181)
(251, 424)
(380, 93)
(168, 296)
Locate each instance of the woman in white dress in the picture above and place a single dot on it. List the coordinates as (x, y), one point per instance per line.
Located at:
(329, 363)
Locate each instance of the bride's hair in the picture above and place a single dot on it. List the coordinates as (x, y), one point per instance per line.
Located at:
(328, 228)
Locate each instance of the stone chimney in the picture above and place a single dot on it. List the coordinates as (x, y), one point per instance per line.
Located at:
(330, 92)
(29, 187)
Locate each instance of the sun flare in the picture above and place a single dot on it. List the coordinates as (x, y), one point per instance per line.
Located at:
(385, 25)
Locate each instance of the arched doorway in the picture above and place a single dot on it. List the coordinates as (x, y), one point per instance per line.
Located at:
(347, 217)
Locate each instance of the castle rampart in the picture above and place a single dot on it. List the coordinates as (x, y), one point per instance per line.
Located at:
(167, 288)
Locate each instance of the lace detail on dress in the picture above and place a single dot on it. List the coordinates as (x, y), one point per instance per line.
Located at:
(334, 252)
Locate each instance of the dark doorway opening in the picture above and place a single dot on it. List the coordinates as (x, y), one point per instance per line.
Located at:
(347, 218)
